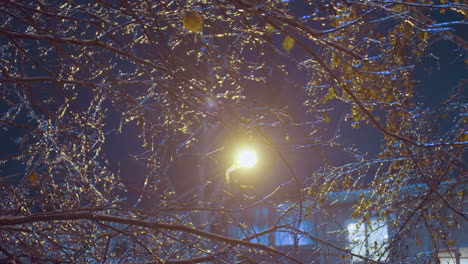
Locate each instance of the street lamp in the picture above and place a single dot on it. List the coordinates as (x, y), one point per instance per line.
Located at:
(245, 158)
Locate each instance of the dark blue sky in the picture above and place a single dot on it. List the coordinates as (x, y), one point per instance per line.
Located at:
(437, 73)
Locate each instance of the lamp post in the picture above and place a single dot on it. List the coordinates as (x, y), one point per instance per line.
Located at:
(244, 159)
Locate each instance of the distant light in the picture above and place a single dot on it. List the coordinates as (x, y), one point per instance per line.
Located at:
(210, 102)
(246, 158)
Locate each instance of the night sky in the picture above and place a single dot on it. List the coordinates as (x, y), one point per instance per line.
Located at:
(438, 72)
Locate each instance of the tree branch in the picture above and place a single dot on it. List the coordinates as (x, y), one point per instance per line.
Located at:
(64, 216)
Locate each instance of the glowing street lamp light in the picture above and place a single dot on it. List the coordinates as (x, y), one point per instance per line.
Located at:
(246, 158)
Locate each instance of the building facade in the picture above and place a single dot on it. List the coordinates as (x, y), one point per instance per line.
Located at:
(327, 235)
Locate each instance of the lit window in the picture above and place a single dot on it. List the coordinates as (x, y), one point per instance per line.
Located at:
(259, 219)
(455, 256)
(368, 239)
(447, 257)
(256, 221)
(260, 224)
(286, 237)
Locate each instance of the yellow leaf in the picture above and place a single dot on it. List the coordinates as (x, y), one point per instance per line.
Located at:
(288, 43)
(331, 94)
(463, 137)
(33, 177)
(193, 22)
(346, 183)
(451, 243)
(321, 200)
(269, 29)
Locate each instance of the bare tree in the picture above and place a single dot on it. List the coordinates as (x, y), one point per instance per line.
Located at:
(175, 85)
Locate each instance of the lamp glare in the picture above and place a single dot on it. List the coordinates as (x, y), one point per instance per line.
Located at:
(246, 158)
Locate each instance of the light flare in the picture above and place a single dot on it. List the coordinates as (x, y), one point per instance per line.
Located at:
(246, 158)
